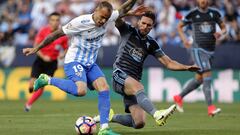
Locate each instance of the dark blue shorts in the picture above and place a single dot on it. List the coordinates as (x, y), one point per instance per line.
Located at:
(119, 78)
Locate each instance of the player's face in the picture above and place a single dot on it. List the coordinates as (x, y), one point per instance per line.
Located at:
(203, 4)
(54, 22)
(145, 25)
(101, 16)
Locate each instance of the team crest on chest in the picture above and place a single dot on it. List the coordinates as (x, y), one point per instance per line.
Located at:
(205, 27)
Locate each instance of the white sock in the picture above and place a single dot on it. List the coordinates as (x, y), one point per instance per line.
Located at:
(28, 106)
(155, 115)
(104, 126)
(49, 81)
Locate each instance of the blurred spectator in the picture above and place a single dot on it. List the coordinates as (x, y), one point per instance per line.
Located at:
(40, 10)
(157, 4)
(231, 16)
(166, 18)
(24, 19)
(174, 39)
(166, 21)
(79, 7)
(24, 25)
(20, 19)
(181, 5)
(7, 25)
(62, 7)
(10, 10)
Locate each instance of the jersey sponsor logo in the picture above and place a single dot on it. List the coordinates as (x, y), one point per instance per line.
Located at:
(95, 38)
(85, 21)
(198, 16)
(205, 27)
(137, 54)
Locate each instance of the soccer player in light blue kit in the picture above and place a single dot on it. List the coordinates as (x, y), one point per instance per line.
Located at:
(85, 33)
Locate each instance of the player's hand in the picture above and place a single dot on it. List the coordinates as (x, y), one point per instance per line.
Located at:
(29, 51)
(140, 10)
(193, 68)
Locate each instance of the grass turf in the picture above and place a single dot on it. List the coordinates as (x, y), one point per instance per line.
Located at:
(58, 118)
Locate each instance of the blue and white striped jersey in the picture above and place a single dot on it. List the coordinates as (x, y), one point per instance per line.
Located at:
(85, 38)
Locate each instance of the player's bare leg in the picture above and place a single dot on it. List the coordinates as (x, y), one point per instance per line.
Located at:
(133, 87)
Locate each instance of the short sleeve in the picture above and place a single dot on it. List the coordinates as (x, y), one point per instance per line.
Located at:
(155, 49)
(114, 16)
(188, 18)
(123, 28)
(158, 53)
(77, 25)
(218, 17)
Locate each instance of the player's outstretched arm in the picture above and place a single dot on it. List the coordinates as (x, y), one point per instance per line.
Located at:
(49, 39)
(125, 7)
(174, 65)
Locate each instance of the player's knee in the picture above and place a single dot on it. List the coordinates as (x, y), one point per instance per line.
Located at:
(139, 124)
(105, 86)
(140, 87)
(199, 78)
(81, 92)
(100, 85)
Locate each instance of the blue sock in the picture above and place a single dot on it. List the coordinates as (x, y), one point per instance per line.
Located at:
(66, 85)
(104, 106)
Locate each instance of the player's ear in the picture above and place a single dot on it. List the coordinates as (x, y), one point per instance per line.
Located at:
(139, 21)
(96, 9)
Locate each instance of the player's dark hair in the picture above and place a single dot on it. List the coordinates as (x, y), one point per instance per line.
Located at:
(150, 14)
(105, 4)
(54, 14)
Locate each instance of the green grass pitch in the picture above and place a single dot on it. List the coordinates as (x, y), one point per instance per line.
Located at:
(58, 118)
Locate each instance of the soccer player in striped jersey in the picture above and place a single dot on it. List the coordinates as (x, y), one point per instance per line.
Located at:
(203, 21)
(85, 33)
(134, 48)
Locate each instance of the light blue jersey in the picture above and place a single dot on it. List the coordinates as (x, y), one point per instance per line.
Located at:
(85, 38)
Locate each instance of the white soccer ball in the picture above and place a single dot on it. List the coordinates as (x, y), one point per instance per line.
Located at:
(85, 125)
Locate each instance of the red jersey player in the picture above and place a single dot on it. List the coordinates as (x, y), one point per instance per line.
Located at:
(46, 60)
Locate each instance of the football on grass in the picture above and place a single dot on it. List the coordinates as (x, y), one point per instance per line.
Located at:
(85, 125)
